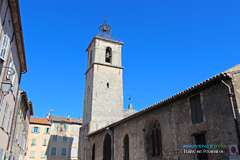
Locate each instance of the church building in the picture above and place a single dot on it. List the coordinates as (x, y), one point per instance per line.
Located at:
(204, 114)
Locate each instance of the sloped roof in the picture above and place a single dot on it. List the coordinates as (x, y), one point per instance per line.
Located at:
(223, 75)
(66, 119)
(39, 120)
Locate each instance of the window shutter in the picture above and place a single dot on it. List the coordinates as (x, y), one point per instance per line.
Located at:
(38, 129)
(10, 65)
(45, 130)
(32, 129)
(49, 130)
(4, 47)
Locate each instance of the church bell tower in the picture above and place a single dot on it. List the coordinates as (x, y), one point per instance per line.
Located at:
(103, 101)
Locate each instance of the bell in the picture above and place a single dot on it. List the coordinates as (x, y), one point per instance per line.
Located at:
(105, 29)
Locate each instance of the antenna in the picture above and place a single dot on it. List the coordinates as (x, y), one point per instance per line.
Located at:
(51, 111)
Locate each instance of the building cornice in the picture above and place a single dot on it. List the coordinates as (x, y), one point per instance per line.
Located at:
(103, 64)
(17, 25)
(104, 39)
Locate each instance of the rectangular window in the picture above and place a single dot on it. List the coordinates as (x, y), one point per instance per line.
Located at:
(4, 47)
(65, 127)
(1, 100)
(64, 138)
(9, 121)
(74, 139)
(53, 151)
(47, 130)
(64, 152)
(34, 141)
(196, 109)
(55, 137)
(5, 115)
(74, 152)
(32, 154)
(56, 126)
(1, 153)
(45, 142)
(35, 129)
(43, 155)
(200, 140)
(75, 128)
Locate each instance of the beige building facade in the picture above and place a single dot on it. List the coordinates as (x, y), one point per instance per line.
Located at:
(18, 139)
(12, 66)
(53, 138)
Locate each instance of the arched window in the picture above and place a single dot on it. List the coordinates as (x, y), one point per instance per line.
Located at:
(107, 148)
(108, 55)
(90, 61)
(93, 152)
(156, 139)
(126, 148)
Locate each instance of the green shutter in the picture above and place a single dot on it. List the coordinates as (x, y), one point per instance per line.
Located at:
(43, 154)
(38, 129)
(49, 130)
(32, 154)
(45, 130)
(34, 141)
(32, 129)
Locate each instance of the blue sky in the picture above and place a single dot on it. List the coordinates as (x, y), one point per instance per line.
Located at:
(169, 45)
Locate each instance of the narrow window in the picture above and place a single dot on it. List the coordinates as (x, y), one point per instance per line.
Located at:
(4, 47)
(108, 55)
(126, 148)
(64, 138)
(53, 151)
(107, 85)
(196, 109)
(93, 152)
(155, 140)
(9, 120)
(107, 148)
(90, 61)
(64, 152)
(200, 140)
(1, 100)
(5, 115)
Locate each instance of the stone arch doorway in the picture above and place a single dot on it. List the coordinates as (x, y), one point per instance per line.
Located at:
(107, 147)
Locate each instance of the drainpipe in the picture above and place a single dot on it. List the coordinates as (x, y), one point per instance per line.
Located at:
(233, 109)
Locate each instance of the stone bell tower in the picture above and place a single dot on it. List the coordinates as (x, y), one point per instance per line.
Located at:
(103, 101)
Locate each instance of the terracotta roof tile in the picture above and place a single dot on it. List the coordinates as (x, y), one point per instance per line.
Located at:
(39, 120)
(66, 119)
